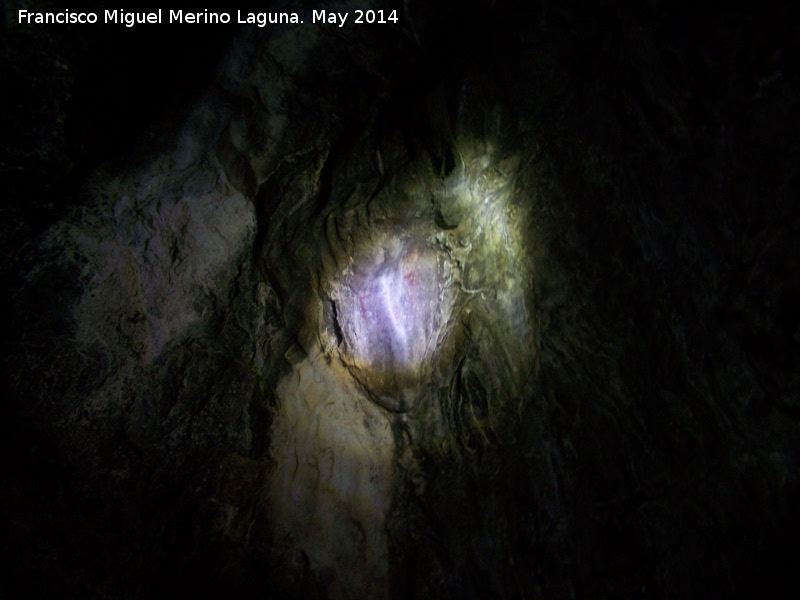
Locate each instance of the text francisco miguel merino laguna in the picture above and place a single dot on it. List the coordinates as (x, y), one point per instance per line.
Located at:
(205, 17)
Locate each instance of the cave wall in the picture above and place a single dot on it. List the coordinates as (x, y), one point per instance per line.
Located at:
(494, 303)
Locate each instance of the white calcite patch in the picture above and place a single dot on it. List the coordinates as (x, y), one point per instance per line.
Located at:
(392, 315)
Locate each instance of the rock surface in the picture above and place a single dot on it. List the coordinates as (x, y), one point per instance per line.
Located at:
(491, 303)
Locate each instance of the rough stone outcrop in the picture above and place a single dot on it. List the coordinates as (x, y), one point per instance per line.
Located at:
(491, 303)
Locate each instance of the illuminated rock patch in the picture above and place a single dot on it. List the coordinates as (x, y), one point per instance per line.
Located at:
(392, 315)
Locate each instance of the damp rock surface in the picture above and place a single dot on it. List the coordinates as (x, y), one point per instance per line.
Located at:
(390, 316)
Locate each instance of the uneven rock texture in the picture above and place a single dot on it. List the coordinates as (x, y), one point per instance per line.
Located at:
(491, 303)
(332, 481)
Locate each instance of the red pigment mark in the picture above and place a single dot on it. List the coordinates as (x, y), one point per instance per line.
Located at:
(409, 278)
